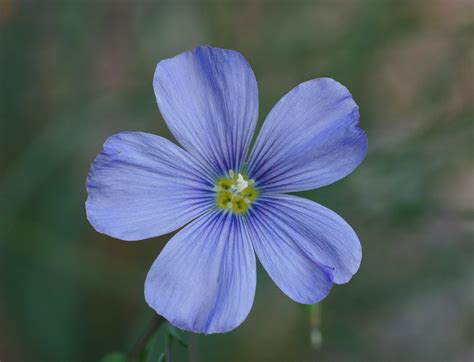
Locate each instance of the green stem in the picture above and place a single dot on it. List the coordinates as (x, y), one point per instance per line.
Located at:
(168, 348)
(152, 326)
(316, 336)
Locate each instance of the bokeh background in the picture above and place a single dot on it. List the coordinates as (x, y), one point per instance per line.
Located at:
(73, 73)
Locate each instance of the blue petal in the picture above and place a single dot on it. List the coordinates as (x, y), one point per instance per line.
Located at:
(303, 246)
(209, 100)
(309, 139)
(141, 186)
(204, 279)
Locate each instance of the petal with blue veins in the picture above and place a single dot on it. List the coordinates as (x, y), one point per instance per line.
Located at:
(209, 100)
(142, 185)
(310, 139)
(204, 279)
(303, 246)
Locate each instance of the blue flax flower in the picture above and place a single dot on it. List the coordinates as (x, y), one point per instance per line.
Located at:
(231, 206)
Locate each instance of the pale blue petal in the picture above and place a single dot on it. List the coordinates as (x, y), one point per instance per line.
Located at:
(209, 100)
(142, 185)
(204, 279)
(304, 246)
(310, 139)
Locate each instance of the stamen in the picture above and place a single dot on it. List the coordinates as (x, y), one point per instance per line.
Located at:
(242, 184)
(235, 193)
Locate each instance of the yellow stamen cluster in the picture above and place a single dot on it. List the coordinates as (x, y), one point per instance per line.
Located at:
(235, 193)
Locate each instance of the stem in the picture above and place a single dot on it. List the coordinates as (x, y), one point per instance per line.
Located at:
(168, 348)
(150, 330)
(316, 336)
(193, 348)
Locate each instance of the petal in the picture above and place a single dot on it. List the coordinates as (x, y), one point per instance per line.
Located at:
(303, 246)
(209, 100)
(309, 139)
(204, 279)
(142, 185)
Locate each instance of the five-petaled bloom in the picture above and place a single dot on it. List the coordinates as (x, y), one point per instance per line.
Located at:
(141, 186)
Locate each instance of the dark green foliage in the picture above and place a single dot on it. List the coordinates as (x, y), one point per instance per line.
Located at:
(73, 73)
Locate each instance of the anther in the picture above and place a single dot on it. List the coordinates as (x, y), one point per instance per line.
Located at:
(242, 184)
(235, 193)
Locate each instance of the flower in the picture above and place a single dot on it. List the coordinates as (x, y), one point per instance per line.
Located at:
(231, 207)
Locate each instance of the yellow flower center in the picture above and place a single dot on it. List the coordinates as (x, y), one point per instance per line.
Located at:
(235, 193)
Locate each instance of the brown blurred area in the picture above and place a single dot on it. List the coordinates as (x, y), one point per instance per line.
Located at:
(73, 73)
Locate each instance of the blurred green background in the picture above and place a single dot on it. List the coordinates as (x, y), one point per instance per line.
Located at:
(73, 73)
